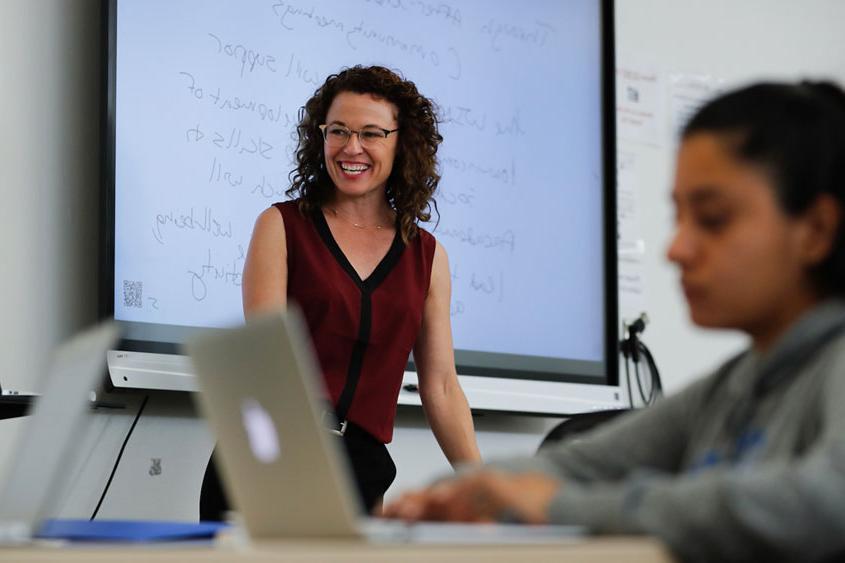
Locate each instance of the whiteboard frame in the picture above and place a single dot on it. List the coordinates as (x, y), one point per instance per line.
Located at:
(159, 365)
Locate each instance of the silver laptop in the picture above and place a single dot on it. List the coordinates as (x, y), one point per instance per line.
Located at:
(46, 442)
(285, 472)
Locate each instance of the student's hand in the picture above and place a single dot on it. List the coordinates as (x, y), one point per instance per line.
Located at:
(481, 496)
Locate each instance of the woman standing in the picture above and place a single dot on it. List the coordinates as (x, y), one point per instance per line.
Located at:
(373, 286)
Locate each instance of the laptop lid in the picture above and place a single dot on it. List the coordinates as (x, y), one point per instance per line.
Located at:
(260, 395)
(48, 437)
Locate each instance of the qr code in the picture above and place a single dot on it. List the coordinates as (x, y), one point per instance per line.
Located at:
(132, 293)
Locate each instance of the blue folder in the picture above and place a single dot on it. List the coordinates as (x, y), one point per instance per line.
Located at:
(127, 530)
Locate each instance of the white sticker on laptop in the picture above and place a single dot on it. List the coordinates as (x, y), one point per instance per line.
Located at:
(260, 430)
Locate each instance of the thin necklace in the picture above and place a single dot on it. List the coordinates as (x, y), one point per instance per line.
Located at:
(353, 223)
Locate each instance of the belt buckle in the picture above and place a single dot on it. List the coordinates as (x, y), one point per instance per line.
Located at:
(338, 428)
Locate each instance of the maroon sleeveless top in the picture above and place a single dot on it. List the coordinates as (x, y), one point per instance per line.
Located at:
(363, 330)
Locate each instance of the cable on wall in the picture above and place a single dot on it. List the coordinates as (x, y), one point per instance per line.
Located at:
(119, 455)
(649, 385)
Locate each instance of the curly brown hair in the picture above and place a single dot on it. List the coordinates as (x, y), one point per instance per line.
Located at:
(414, 177)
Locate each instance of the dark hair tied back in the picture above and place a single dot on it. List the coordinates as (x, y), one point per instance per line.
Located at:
(796, 133)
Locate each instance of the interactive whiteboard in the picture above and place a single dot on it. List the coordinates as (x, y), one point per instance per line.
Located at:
(203, 103)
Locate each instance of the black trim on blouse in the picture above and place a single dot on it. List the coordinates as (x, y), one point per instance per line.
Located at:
(367, 286)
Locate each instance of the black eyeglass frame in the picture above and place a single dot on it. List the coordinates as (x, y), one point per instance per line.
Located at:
(386, 132)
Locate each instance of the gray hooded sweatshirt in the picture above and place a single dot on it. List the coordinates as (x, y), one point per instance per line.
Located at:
(747, 464)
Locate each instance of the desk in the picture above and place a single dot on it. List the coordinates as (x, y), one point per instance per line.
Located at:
(597, 550)
(14, 406)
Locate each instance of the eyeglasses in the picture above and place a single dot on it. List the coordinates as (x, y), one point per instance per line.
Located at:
(337, 136)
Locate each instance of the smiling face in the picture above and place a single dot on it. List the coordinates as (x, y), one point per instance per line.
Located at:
(743, 262)
(356, 170)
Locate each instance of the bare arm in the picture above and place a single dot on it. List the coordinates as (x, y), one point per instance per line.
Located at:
(265, 274)
(443, 400)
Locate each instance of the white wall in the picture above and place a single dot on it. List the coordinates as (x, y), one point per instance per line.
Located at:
(725, 39)
(49, 176)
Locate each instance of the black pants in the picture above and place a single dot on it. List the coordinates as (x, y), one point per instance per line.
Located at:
(372, 467)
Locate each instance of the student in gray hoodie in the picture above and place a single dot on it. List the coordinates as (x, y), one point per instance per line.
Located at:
(747, 464)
